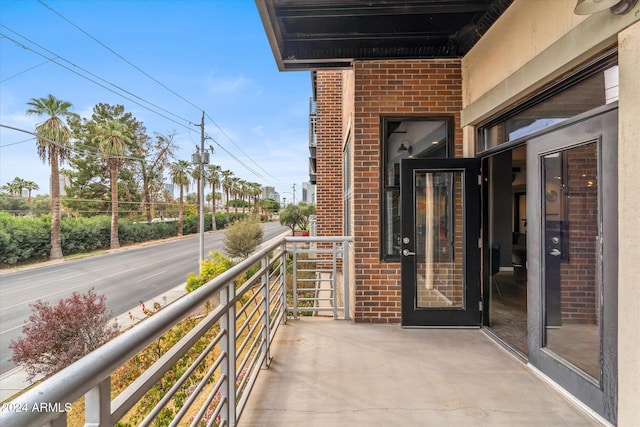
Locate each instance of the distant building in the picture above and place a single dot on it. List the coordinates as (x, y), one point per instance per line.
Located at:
(268, 192)
(63, 181)
(308, 193)
(169, 188)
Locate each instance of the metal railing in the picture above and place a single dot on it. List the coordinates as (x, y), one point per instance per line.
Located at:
(205, 378)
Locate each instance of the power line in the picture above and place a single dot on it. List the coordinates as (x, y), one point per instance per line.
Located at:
(155, 80)
(120, 56)
(96, 76)
(276, 181)
(85, 151)
(241, 150)
(24, 71)
(16, 143)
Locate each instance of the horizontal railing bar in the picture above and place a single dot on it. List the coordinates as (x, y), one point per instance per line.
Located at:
(216, 388)
(138, 388)
(183, 378)
(263, 319)
(247, 337)
(201, 384)
(72, 382)
(253, 299)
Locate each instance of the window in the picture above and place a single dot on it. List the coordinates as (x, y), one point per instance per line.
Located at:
(403, 138)
(586, 88)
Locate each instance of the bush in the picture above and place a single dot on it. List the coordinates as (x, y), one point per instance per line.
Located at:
(242, 237)
(24, 239)
(211, 268)
(56, 336)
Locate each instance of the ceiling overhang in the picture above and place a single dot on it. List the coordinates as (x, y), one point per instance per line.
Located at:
(315, 34)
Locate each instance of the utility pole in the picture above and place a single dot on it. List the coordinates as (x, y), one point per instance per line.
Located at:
(294, 193)
(199, 159)
(201, 215)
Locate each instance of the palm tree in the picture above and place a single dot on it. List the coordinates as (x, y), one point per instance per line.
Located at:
(255, 191)
(196, 174)
(213, 178)
(235, 190)
(227, 183)
(180, 172)
(53, 140)
(112, 138)
(31, 186)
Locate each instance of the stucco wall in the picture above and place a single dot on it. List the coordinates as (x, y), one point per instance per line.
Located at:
(523, 32)
(628, 240)
(525, 49)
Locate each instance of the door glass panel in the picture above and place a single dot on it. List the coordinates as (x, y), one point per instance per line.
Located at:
(507, 247)
(439, 240)
(571, 274)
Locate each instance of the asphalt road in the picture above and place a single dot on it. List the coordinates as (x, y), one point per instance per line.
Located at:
(126, 276)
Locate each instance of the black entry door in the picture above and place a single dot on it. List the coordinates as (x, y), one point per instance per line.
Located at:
(440, 234)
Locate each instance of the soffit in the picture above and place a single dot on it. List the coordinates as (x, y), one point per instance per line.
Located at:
(316, 34)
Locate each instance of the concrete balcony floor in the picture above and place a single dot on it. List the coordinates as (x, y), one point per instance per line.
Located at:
(328, 372)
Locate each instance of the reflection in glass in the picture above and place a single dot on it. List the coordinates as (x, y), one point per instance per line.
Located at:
(507, 247)
(403, 139)
(594, 91)
(439, 260)
(571, 265)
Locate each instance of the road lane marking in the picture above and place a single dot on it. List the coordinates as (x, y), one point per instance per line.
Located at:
(149, 277)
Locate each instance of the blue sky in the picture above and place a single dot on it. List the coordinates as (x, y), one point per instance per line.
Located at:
(213, 53)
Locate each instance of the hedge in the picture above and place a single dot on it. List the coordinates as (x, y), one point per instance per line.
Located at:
(28, 239)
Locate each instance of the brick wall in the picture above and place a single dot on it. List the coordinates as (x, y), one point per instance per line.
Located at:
(329, 153)
(389, 88)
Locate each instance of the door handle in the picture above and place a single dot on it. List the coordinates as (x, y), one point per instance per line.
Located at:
(407, 252)
(555, 252)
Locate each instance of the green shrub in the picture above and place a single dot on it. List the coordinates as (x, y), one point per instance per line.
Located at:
(211, 268)
(242, 237)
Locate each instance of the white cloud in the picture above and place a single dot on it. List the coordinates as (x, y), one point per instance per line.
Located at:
(217, 84)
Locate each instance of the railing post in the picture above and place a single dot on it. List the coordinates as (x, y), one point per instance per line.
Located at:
(346, 253)
(334, 279)
(266, 315)
(97, 405)
(228, 345)
(283, 274)
(295, 280)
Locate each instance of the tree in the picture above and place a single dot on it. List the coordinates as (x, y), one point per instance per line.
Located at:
(306, 210)
(291, 217)
(31, 186)
(227, 184)
(154, 155)
(243, 236)
(56, 336)
(213, 178)
(54, 147)
(180, 172)
(269, 206)
(297, 215)
(196, 174)
(89, 191)
(112, 138)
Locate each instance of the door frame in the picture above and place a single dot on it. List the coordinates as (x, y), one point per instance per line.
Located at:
(600, 125)
(469, 314)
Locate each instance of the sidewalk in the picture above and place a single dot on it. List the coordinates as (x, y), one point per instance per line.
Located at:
(15, 380)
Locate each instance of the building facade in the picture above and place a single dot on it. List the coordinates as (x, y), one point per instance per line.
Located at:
(489, 184)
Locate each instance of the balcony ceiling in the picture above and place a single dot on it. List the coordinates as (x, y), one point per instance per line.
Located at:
(315, 34)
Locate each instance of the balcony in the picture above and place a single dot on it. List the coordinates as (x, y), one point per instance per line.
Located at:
(278, 349)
